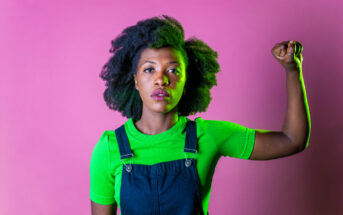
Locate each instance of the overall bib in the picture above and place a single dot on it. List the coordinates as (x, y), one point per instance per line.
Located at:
(164, 188)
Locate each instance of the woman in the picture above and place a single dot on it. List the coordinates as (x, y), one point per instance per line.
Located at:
(159, 161)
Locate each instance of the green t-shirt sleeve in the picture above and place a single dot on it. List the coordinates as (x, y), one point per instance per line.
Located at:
(237, 141)
(231, 139)
(101, 179)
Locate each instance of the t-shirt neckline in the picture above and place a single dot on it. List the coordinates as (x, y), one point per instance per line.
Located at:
(175, 129)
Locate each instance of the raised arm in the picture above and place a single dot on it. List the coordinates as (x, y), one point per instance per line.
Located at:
(296, 128)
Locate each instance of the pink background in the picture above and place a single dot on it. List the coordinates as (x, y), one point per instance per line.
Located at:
(52, 111)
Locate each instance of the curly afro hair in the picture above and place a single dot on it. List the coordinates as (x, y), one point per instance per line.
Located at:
(156, 32)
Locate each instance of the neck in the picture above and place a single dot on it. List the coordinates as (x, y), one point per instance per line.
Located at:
(154, 123)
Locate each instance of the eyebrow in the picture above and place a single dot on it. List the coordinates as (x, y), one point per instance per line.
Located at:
(152, 62)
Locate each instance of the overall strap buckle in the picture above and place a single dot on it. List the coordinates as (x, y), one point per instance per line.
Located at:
(124, 147)
(191, 142)
(128, 167)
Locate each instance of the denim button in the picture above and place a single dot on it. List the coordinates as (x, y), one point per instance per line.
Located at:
(128, 168)
(188, 163)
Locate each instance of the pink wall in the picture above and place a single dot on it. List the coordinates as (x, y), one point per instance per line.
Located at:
(52, 112)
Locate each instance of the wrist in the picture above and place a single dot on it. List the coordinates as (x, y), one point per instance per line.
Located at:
(293, 70)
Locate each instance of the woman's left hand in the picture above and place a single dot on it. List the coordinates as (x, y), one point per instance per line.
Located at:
(288, 54)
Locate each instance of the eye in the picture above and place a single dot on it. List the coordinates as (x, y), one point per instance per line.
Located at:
(174, 70)
(148, 69)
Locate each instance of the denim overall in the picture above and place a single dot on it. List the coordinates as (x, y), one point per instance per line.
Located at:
(164, 188)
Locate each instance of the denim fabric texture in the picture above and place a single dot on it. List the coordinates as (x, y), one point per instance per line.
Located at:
(164, 188)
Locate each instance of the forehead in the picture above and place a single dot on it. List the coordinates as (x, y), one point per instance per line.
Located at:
(163, 55)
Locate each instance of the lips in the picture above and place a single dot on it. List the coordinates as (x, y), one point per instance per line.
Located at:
(160, 92)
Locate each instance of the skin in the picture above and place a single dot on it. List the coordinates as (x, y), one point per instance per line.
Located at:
(98, 209)
(296, 127)
(159, 116)
(159, 68)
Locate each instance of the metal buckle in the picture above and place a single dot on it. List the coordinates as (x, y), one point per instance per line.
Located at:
(188, 162)
(128, 167)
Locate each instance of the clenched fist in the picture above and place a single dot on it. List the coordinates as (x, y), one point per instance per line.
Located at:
(288, 53)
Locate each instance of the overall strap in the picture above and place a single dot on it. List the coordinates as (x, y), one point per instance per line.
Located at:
(191, 137)
(123, 143)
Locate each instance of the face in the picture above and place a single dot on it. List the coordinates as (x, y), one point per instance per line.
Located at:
(160, 68)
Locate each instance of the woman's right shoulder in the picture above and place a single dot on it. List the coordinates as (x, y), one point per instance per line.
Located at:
(107, 137)
(108, 133)
(108, 141)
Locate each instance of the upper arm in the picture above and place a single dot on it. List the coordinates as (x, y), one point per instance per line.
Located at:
(102, 181)
(271, 145)
(98, 209)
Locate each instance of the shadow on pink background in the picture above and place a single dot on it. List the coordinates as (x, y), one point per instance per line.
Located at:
(52, 111)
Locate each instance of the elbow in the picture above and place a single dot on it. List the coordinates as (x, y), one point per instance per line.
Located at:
(298, 145)
(302, 147)
(307, 140)
(304, 144)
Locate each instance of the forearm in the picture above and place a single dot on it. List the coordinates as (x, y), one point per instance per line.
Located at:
(297, 123)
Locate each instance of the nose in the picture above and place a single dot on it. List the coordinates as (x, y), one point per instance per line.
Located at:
(161, 79)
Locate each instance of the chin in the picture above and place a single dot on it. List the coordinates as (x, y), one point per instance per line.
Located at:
(163, 109)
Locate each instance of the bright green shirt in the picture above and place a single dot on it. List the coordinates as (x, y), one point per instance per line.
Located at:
(215, 139)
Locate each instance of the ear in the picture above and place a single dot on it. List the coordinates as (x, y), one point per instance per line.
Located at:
(136, 83)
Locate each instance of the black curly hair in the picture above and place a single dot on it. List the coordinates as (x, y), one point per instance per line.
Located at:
(156, 32)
